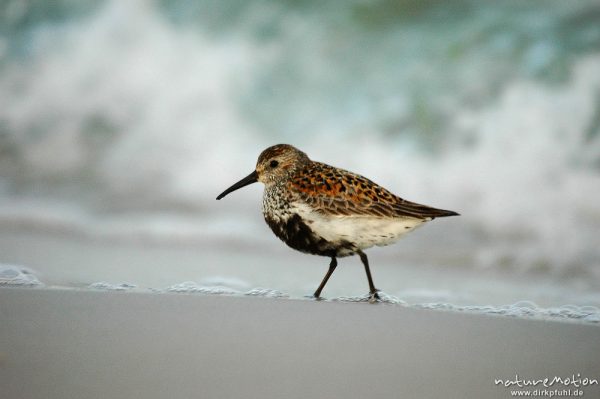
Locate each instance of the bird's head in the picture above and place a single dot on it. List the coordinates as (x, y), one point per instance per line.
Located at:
(274, 164)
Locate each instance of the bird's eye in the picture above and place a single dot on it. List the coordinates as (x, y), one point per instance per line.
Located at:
(274, 163)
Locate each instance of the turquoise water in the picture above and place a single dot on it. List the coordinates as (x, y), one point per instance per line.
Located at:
(124, 120)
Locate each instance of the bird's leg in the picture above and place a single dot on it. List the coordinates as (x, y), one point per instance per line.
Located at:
(372, 290)
(332, 267)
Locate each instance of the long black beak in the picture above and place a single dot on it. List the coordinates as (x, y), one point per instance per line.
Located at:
(251, 178)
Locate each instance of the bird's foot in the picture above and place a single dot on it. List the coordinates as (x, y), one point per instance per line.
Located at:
(315, 297)
(374, 297)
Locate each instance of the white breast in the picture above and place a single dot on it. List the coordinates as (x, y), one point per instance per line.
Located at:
(362, 231)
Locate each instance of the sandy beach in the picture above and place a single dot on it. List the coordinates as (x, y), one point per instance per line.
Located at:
(86, 344)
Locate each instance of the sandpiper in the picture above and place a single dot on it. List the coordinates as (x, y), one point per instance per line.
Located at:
(322, 210)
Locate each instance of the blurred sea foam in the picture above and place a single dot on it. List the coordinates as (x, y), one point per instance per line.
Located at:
(126, 118)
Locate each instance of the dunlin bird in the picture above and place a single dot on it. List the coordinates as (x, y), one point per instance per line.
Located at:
(322, 210)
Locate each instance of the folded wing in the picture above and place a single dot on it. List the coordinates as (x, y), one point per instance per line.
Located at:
(332, 191)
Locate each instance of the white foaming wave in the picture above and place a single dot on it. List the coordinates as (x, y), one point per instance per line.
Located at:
(191, 287)
(18, 276)
(104, 286)
(530, 181)
(223, 287)
(142, 105)
(521, 309)
(525, 309)
(266, 293)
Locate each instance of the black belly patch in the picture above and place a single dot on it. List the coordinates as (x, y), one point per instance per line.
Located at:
(299, 236)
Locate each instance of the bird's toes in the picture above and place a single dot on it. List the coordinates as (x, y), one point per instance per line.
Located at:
(374, 297)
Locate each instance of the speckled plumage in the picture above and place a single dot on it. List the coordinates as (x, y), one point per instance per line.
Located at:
(322, 210)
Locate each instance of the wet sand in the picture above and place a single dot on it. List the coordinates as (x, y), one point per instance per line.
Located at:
(85, 344)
